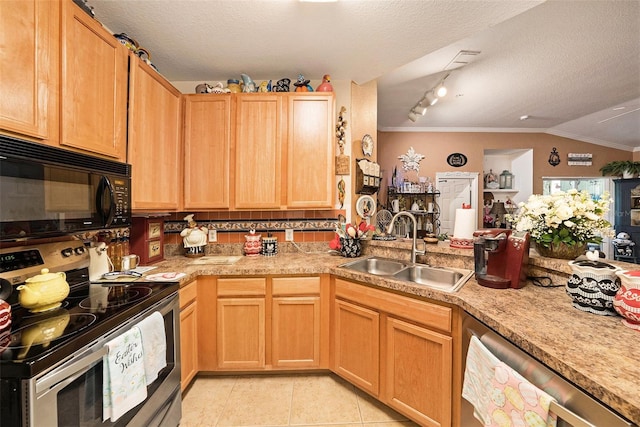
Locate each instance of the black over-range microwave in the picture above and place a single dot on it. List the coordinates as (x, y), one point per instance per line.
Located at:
(46, 191)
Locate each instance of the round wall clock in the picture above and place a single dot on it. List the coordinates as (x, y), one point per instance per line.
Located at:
(367, 145)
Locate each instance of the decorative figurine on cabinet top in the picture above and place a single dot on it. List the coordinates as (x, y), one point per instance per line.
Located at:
(265, 86)
(282, 85)
(249, 84)
(302, 85)
(194, 238)
(234, 86)
(325, 86)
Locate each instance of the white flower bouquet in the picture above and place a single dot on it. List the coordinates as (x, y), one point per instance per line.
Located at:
(569, 218)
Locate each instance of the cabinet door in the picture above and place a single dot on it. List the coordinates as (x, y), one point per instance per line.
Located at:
(93, 86)
(207, 324)
(28, 66)
(258, 146)
(310, 164)
(207, 138)
(418, 379)
(241, 333)
(356, 345)
(154, 139)
(188, 344)
(296, 332)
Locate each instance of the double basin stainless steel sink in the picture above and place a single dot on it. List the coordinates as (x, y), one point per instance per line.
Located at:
(446, 279)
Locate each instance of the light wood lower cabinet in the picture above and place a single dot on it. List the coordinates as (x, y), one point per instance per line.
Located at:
(418, 372)
(296, 322)
(356, 351)
(188, 333)
(397, 348)
(240, 331)
(263, 323)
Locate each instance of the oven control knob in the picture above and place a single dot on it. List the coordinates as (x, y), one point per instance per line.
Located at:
(79, 250)
(67, 252)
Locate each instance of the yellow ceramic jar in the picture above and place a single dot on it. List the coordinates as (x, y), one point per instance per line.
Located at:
(43, 292)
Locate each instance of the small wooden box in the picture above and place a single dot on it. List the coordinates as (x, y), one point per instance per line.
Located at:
(147, 239)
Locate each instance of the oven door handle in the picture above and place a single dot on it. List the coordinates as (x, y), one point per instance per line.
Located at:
(69, 372)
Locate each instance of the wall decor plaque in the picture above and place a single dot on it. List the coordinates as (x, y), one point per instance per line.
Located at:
(457, 160)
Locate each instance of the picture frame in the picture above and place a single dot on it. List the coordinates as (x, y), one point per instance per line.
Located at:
(406, 187)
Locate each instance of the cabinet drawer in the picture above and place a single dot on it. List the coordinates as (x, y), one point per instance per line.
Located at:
(242, 286)
(296, 286)
(187, 294)
(426, 313)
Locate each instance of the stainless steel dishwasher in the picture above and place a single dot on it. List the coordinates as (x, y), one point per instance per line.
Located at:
(574, 408)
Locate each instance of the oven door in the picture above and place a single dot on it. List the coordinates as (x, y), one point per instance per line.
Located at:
(71, 394)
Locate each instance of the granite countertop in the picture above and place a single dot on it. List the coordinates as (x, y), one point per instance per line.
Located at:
(595, 352)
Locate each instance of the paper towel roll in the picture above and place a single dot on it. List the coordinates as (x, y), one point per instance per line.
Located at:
(465, 223)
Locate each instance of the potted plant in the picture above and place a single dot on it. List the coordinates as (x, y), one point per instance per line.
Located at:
(623, 168)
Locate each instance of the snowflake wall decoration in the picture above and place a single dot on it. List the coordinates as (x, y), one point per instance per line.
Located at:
(411, 160)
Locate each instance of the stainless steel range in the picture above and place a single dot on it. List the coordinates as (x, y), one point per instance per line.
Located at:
(51, 363)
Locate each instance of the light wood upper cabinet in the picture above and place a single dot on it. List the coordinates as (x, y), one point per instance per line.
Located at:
(93, 86)
(258, 151)
(29, 67)
(280, 145)
(207, 142)
(310, 154)
(154, 149)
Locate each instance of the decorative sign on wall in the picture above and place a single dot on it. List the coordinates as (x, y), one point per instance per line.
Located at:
(579, 159)
(457, 160)
(411, 160)
(342, 160)
(554, 157)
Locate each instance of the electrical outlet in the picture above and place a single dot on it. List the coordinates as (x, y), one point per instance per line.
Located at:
(288, 234)
(213, 235)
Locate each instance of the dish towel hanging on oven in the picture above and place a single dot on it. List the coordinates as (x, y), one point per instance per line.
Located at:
(123, 383)
(154, 345)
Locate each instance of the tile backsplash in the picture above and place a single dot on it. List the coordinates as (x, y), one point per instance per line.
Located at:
(311, 228)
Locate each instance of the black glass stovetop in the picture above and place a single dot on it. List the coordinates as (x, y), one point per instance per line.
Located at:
(36, 341)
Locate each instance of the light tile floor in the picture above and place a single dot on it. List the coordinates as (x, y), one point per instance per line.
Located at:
(283, 400)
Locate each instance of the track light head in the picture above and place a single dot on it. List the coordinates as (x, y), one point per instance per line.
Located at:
(413, 116)
(420, 109)
(442, 91)
(431, 98)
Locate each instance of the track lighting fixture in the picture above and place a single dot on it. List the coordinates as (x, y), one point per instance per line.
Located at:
(430, 98)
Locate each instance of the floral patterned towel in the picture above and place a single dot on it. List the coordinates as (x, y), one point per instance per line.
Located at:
(123, 382)
(516, 402)
(154, 345)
